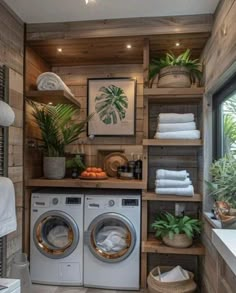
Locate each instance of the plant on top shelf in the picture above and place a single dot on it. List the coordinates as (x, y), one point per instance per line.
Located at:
(175, 71)
(58, 129)
(76, 165)
(176, 231)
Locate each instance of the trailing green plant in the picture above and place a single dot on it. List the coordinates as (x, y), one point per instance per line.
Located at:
(57, 126)
(170, 59)
(168, 225)
(223, 183)
(75, 163)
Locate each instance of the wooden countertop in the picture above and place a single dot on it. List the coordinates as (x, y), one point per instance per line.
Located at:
(68, 182)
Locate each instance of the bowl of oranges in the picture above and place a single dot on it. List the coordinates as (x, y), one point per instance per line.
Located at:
(93, 173)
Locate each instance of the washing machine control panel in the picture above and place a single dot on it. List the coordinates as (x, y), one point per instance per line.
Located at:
(73, 200)
(111, 203)
(55, 201)
(129, 202)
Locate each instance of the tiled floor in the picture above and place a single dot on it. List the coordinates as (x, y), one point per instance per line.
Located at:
(55, 289)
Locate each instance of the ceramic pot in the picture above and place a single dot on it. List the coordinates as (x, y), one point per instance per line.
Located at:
(54, 167)
(178, 241)
(174, 77)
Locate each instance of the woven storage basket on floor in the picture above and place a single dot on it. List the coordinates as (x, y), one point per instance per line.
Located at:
(155, 286)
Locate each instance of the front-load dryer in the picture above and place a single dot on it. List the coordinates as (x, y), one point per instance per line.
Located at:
(56, 243)
(112, 240)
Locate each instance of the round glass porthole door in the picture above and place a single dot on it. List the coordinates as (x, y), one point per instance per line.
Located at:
(56, 234)
(111, 237)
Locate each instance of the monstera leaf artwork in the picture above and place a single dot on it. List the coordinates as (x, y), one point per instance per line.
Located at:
(111, 105)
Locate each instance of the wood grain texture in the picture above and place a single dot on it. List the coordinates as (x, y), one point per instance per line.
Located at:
(151, 196)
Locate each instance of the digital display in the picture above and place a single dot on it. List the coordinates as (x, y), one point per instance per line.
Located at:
(73, 200)
(130, 202)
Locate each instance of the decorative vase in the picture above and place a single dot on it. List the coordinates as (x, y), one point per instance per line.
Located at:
(74, 173)
(54, 167)
(178, 241)
(174, 77)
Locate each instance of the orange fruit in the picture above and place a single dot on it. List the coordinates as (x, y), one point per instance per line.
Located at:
(89, 169)
(103, 174)
(94, 170)
(99, 170)
(84, 174)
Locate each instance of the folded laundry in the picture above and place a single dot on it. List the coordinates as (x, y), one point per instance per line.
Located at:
(175, 118)
(188, 134)
(173, 175)
(184, 191)
(172, 183)
(172, 127)
(175, 275)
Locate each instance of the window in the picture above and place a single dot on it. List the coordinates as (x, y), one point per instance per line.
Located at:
(224, 119)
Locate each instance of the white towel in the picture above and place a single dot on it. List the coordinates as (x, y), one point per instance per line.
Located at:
(173, 175)
(7, 207)
(188, 134)
(175, 118)
(184, 191)
(175, 275)
(49, 81)
(7, 115)
(172, 127)
(172, 183)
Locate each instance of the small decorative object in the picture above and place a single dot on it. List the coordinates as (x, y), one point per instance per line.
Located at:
(228, 222)
(7, 115)
(57, 130)
(175, 71)
(113, 161)
(93, 173)
(76, 165)
(113, 101)
(176, 231)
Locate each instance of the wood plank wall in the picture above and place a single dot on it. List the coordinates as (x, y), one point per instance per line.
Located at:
(11, 55)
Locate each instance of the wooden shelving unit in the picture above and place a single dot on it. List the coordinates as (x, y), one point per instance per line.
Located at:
(152, 196)
(195, 93)
(172, 142)
(54, 97)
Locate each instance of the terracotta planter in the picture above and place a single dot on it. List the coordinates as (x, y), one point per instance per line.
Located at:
(174, 77)
(178, 241)
(54, 167)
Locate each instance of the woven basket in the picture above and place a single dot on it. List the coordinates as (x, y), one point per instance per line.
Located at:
(174, 77)
(178, 241)
(155, 286)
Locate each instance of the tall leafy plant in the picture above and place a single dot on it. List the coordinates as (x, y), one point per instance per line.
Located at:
(58, 129)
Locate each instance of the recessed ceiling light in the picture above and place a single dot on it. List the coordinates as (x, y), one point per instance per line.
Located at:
(89, 1)
(128, 46)
(59, 50)
(50, 103)
(177, 44)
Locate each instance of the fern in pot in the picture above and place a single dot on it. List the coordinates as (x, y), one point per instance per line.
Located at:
(176, 231)
(175, 71)
(58, 129)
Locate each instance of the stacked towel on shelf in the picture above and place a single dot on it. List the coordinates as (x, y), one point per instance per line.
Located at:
(173, 183)
(176, 126)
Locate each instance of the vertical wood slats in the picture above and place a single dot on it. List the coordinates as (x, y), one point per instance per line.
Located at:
(3, 168)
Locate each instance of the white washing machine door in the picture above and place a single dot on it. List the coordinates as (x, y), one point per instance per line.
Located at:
(56, 234)
(111, 237)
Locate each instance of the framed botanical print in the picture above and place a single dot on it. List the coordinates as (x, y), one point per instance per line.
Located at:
(113, 102)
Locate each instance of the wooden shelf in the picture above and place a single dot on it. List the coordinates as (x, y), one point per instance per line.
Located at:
(172, 142)
(68, 182)
(54, 97)
(153, 245)
(152, 196)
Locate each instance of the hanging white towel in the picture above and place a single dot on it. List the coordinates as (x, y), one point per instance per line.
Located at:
(172, 183)
(175, 118)
(188, 134)
(7, 207)
(49, 81)
(7, 115)
(173, 175)
(172, 127)
(185, 191)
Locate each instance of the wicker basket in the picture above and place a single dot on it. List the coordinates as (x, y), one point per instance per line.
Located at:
(155, 286)
(178, 241)
(174, 77)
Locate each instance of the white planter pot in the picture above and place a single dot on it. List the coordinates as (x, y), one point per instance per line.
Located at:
(54, 167)
(174, 77)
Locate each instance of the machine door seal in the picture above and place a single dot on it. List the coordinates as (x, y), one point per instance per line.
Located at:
(56, 234)
(111, 237)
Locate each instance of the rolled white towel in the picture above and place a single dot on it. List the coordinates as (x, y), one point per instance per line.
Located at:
(49, 81)
(182, 191)
(7, 115)
(166, 183)
(175, 118)
(188, 134)
(172, 127)
(172, 175)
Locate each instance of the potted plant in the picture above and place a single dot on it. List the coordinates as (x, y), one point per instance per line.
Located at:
(176, 231)
(58, 129)
(76, 165)
(175, 71)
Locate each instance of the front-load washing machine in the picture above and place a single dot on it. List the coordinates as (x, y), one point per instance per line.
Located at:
(112, 240)
(56, 244)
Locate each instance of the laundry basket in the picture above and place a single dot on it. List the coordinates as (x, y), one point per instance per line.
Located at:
(155, 286)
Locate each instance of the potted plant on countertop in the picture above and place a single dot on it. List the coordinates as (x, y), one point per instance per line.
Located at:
(175, 71)
(58, 129)
(176, 231)
(76, 165)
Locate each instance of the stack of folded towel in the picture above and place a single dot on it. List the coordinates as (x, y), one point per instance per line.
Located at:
(173, 183)
(176, 126)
